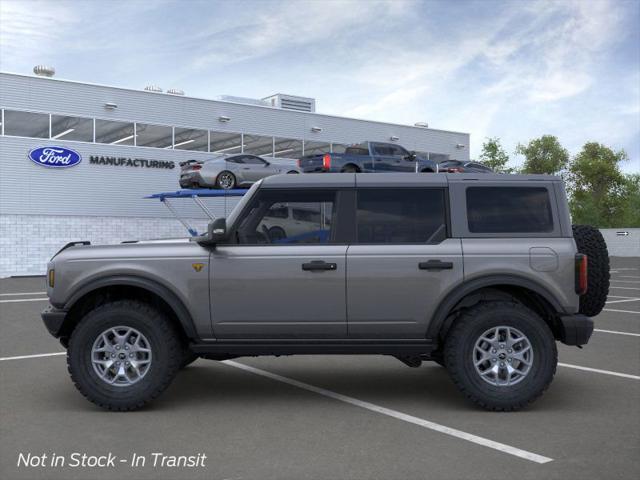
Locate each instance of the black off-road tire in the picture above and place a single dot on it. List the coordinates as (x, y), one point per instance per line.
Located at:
(589, 241)
(460, 343)
(165, 344)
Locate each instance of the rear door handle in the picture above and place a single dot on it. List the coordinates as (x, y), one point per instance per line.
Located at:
(319, 265)
(435, 265)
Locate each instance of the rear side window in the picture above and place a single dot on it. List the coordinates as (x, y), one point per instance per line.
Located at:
(509, 210)
(386, 216)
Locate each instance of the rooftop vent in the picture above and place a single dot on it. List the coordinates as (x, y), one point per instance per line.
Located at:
(44, 71)
(175, 91)
(245, 100)
(291, 102)
(153, 88)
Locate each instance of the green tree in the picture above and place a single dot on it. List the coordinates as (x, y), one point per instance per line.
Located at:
(494, 156)
(631, 202)
(543, 155)
(600, 193)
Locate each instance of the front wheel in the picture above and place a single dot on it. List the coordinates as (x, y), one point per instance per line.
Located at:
(226, 180)
(501, 355)
(123, 354)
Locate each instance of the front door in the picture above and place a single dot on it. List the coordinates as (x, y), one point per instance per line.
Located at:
(284, 275)
(401, 263)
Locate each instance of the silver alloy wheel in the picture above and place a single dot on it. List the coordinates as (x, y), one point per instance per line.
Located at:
(121, 356)
(502, 356)
(225, 180)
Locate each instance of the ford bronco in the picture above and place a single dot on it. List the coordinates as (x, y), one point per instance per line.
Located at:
(481, 273)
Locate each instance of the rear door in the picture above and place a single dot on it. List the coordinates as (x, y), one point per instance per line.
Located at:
(402, 263)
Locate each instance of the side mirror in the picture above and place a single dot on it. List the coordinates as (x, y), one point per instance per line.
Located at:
(216, 233)
(411, 156)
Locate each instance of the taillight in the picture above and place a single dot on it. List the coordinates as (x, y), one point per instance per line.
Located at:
(196, 167)
(326, 161)
(454, 170)
(582, 283)
(299, 163)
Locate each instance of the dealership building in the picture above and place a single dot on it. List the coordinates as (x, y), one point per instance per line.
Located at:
(127, 144)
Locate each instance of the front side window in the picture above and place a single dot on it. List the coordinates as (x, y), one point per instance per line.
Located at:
(509, 210)
(267, 220)
(386, 216)
(26, 124)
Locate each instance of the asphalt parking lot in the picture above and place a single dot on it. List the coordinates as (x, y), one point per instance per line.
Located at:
(327, 417)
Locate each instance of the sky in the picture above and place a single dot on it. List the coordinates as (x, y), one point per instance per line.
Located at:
(509, 69)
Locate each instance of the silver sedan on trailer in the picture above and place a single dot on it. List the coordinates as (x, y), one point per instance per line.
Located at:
(228, 172)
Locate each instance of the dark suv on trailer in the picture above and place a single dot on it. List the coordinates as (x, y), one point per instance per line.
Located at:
(481, 273)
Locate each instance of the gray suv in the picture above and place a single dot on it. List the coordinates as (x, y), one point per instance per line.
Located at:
(481, 273)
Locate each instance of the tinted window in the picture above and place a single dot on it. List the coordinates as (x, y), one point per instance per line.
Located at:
(253, 160)
(236, 159)
(401, 216)
(191, 139)
(509, 210)
(224, 142)
(267, 221)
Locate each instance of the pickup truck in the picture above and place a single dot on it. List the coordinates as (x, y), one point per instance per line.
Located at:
(368, 157)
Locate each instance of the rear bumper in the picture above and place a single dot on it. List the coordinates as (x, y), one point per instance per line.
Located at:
(575, 329)
(54, 320)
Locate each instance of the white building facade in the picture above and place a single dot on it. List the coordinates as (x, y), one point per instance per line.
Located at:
(129, 144)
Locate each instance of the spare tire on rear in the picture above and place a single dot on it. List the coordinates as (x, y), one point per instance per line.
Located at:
(589, 241)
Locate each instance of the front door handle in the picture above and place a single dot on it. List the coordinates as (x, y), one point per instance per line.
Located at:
(319, 265)
(435, 265)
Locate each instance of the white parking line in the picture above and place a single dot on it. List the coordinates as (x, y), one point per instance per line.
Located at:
(623, 288)
(39, 355)
(597, 370)
(619, 311)
(617, 296)
(616, 332)
(533, 457)
(24, 300)
(628, 276)
(22, 293)
(625, 268)
(621, 301)
(626, 281)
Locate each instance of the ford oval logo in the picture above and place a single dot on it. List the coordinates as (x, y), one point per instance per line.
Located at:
(55, 157)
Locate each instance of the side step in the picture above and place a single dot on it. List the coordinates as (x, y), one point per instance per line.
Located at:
(241, 348)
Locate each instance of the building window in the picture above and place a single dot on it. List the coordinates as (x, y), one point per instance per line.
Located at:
(316, 148)
(157, 136)
(114, 133)
(191, 139)
(26, 124)
(71, 128)
(258, 145)
(225, 143)
(287, 148)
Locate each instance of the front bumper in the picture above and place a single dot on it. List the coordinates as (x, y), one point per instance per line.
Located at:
(54, 320)
(575, 329)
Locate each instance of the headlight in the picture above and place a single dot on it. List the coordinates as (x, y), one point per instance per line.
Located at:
(51, 277)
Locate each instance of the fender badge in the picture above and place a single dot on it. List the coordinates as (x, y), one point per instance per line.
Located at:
(197, 266)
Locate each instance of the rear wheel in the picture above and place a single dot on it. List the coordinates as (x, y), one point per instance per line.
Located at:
(590, 241)
(123, 354)
(501, 355)
(226, 180)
